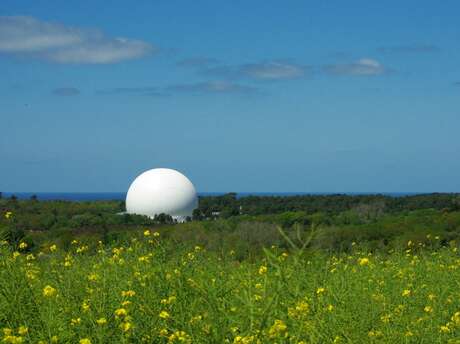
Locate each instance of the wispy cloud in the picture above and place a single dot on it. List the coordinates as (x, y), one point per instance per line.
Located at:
(66, 91)
(212, 87)
(207, 87)
(361, 67)
(272, 70)
(197, 62)
(148, 90)
(414, 48)
(58, 43)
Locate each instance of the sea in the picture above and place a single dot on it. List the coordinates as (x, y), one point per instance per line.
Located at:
(121, 196)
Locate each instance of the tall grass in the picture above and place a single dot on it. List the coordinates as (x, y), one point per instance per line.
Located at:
(156, 291)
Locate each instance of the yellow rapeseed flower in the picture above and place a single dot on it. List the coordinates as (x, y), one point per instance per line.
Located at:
(8, 215)
(49, 291)
(12, 339)
(406, 292)
(121, 312)
(164, 315)
(101, 321)
(23, 245)
(7, 331)
(126, 326)
(263, 270)
(363, 261)
(76, 321)
(444, 329)
(22, 330)
(456, 318)
(320, 291)
(279, 328)
(128, 293)
(85, 341)
(146, 233)
(53, 248)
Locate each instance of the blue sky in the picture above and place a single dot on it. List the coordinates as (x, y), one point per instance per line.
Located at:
(326, 96)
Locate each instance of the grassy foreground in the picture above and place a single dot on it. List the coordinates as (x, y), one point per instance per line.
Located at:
(151, 291)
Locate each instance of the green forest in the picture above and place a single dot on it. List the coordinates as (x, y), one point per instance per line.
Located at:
(245, 224)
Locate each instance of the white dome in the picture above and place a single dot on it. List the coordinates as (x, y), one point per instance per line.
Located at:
(162, 190)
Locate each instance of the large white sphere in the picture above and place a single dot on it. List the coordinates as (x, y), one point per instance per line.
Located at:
(162, 190)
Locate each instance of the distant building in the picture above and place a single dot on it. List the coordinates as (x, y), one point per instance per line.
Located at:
(162, 191)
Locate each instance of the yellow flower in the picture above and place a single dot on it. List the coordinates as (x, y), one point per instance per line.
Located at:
(164, 315)
(444, 329)
(428, 309)
(93, 277)
(7, 331)
(85, 341)
(363, 261)
(156, 234)
(22, 330)
(409, 334)
(23, 245)
(121, 312)
(320, 291)
(456, 318)
(169, 300)
(126, 326)
(243, 340)
(406, 292)
(179, 336)
(101, 321)
(385, 318)
(128, 293)
(263, 270)
(53, 248)
(373, 333)
(279, 328)
(74, 322)
(12, 339)
(85, 306)
(49, 291)
(146, 233)
(8, 214)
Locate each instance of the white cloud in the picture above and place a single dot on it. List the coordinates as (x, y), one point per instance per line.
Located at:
(273, 70)
(212, 87)
(59, 43)
(364, 66)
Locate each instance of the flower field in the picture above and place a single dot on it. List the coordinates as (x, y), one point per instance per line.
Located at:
(151, 291)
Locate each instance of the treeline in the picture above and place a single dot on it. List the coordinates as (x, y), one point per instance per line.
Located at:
(245, 224)
(230, 205)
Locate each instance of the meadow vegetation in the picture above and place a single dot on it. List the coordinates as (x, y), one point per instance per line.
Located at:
(288, 277)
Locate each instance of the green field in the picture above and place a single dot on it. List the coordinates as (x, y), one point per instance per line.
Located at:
(153, 290)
